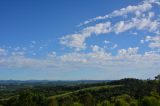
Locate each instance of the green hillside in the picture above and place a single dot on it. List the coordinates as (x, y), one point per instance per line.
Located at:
(124, 92)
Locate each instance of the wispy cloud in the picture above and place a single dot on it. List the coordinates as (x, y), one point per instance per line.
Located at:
(143, 23)
(137, 10)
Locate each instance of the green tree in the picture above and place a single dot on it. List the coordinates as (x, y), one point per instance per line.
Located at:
(134, 103)
(52, 102)
(65, 101)
(26, 99)
(157, 77)
(77, 104)
(105, 103)
(121, 102)
(12, 102)
(150, 101)
(87, 99)
(31, 99)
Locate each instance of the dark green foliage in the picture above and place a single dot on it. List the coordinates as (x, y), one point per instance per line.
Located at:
(87, 99)
(77, 104)
(121, 102)
(150, 101)
(105, 103)
(52, 102)
(27, 98)
(125, 92)
(12, 102)
(134, 103)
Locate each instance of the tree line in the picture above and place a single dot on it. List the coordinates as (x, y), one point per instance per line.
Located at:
(124, 92)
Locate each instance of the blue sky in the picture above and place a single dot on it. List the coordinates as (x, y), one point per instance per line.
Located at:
(74, 40)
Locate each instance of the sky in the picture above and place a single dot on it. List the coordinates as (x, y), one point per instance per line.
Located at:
(79, 39)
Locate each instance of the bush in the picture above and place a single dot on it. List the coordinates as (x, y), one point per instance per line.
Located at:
(150, 101)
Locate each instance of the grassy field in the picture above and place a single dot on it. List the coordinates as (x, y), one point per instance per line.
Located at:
(96, 88)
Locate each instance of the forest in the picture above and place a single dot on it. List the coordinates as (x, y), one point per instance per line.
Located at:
(123, 92)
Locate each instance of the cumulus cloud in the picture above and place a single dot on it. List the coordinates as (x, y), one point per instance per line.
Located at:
(74, 41)
(126, 59)
(78, 40)
(154, 41)
(152, 1)
(128, 52)
(145, 23)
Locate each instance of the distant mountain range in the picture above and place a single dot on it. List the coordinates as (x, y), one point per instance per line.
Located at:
(51, 81)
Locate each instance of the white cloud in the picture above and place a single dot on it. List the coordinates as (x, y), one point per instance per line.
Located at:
(17, 48)
(123, 26)
(154, 41)
(78, 40)
(142, 41)
(152, 53)
(132, 9)
(128, 52)
(144, 23)
(2, 52)
(99, 59)
(96, 48)
(134, 33)
(107, 42)
(24, 48)
(33, 42)
(114, 46)
(74, 41)
(137, 10)
(18, 53)
(52, 55)
(152, 1)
